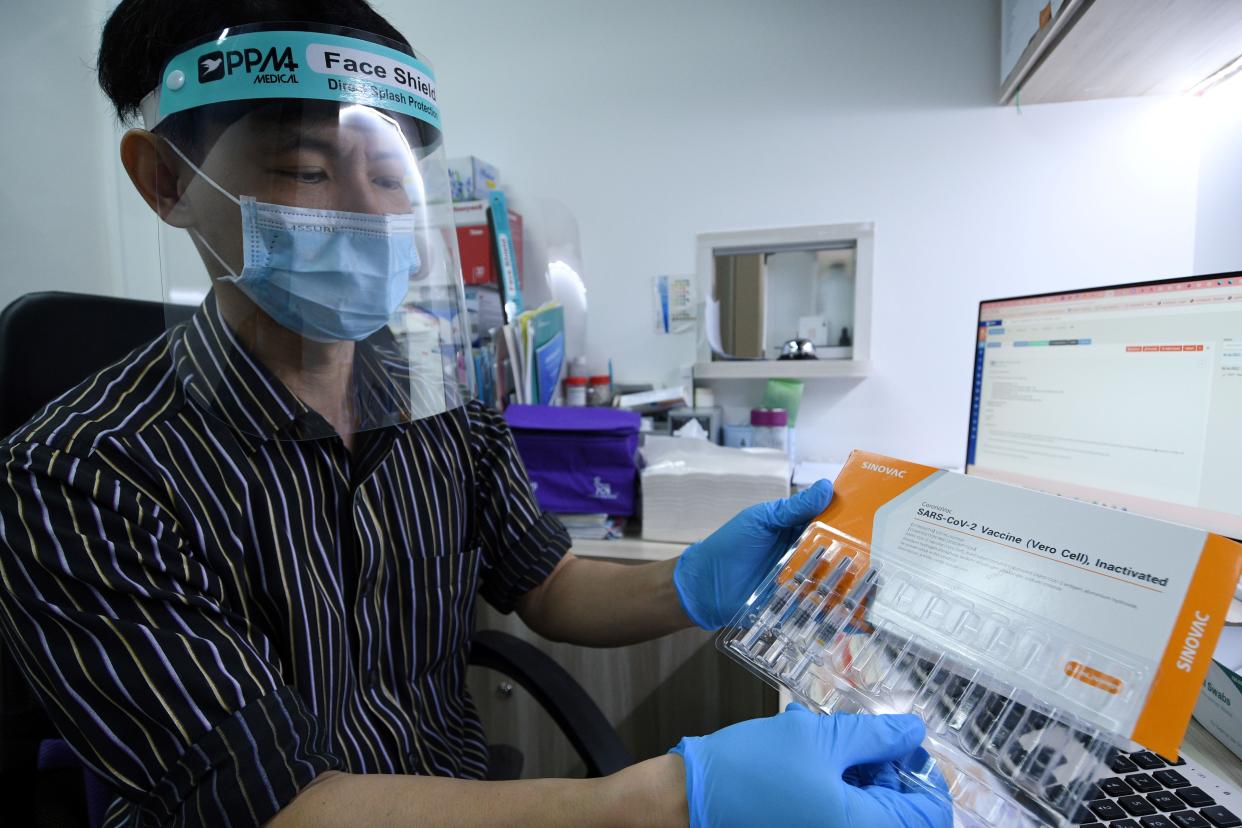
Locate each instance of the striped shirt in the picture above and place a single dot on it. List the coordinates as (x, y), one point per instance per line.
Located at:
(213, 614)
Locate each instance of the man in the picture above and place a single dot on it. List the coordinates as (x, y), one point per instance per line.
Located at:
(240, 565)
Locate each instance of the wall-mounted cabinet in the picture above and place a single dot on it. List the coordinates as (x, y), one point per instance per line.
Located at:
(765, 288)
(1089, 49)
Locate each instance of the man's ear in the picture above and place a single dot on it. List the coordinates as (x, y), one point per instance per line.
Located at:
(158, 174)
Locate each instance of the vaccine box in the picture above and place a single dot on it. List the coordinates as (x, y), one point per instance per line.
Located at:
(1220, 702)
(472, 179)
(1035, 635)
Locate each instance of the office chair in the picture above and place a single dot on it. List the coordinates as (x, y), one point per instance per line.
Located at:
(49, 342)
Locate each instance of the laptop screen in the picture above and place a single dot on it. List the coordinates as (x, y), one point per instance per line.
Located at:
(1126, 396)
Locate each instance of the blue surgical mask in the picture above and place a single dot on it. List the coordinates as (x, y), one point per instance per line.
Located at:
(325, 274)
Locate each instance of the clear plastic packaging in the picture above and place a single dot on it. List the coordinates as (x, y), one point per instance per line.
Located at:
(1004, 694)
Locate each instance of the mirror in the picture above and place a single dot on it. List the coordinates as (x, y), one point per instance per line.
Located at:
(760, 299)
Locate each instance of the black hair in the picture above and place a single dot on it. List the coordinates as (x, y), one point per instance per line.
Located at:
(142, 35)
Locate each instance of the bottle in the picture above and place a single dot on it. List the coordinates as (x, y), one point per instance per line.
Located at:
(599, 390)
(769, 427)
(576, 391)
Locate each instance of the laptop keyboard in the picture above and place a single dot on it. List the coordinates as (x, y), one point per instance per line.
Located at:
(1147, 791)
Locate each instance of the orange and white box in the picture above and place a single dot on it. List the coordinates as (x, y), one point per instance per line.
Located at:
(1128, 608)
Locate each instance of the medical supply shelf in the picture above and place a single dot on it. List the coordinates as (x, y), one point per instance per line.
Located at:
(782, 369)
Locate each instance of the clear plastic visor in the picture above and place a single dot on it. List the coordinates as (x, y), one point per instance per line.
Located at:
(318, 238)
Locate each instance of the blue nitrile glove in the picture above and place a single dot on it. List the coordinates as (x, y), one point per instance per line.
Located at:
(803, 768)
(716, 576)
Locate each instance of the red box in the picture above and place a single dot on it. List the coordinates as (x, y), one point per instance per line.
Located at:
(478, 255)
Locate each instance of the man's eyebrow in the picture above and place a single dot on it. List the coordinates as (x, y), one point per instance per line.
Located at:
(289, 140)
(292, 139)
(389, 155)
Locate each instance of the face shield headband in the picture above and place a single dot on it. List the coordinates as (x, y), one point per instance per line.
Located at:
(308, 65)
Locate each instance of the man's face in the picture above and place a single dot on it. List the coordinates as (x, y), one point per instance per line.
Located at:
(355, 160)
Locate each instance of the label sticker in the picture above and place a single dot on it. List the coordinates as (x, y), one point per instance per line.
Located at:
(307, 65)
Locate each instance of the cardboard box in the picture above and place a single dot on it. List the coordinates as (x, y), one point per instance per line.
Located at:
(471, 179)
(478, 255)
(1220, 702)
(1127, 608)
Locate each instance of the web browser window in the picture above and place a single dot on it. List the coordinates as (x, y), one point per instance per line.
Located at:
(1129, 397)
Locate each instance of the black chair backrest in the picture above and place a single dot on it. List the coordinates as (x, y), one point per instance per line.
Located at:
(49, 342)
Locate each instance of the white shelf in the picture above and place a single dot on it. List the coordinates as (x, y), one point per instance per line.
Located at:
(1096, 49)
(627, 549)
(782, 368)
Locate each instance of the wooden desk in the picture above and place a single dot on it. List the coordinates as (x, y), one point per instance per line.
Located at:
(1205, 750)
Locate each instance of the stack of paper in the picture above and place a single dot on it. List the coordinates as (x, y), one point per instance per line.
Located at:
(590, 527)
(692, 487)
(527, 358)
(806, 473)
(542, 334)
(654, 401)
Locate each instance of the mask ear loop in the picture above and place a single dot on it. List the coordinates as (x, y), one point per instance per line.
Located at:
(233, 275)
(201, 174)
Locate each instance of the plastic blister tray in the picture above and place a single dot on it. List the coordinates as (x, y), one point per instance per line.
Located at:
(1022, 714)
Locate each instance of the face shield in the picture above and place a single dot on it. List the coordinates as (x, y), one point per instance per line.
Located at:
(304, 200)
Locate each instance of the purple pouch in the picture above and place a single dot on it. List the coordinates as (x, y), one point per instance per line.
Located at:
(580, 460)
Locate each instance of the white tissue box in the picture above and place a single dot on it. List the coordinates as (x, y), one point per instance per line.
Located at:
(1220, 701)
(692, 487)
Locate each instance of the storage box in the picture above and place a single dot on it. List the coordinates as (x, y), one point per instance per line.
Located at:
(472, 179)
(1220, 702)
(580, 460)
(479, 265)
(708, 418)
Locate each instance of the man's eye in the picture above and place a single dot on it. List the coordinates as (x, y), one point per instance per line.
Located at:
(307, 176)
(388, 183)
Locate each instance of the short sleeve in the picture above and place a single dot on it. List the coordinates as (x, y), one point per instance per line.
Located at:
(127, 639)
(521, 544)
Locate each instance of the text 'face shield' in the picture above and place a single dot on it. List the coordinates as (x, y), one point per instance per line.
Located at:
(304, 193)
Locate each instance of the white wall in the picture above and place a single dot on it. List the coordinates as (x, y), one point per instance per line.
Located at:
(1218, 236)
(654, 121)
(56, 170)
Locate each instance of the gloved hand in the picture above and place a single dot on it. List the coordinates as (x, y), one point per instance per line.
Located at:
(716, 576)
(802, 768)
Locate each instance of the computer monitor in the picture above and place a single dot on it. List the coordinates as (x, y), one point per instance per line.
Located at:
(1127, 396)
